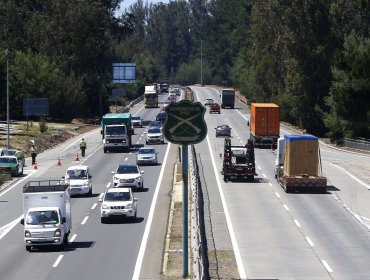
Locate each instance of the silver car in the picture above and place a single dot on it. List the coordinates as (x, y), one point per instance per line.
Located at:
(146, 155)
(154, 135)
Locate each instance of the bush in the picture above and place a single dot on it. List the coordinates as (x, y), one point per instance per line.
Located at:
(43, 125)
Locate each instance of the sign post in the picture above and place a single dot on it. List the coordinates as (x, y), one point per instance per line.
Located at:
(185, 125)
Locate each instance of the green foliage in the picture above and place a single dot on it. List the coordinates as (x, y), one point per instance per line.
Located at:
(349, 101)
(43, 125)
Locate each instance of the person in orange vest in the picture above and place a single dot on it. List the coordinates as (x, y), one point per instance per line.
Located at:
(33, 151)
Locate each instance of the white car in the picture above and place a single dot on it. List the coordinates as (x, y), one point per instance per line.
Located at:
(146, 155)
(79, 179)
(154, 135)
(118, 202)
(128, 175)
(208, 101)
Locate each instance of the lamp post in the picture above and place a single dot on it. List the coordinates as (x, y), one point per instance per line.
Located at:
(7, 53)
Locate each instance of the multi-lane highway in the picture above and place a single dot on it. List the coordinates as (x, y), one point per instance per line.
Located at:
(290, 236)
(273, 235)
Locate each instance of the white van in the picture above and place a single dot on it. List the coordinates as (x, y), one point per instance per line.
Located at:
(79, 179)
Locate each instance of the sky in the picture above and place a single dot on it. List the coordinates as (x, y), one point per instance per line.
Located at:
(127, 3)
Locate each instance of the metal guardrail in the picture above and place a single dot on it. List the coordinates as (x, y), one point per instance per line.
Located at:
(199, 240)
(358, 143)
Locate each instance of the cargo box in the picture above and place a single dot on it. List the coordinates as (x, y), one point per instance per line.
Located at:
(265, 119)
(301, 155)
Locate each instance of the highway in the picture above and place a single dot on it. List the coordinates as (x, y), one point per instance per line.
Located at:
(273, 235)
(290, 236)
(96, 251)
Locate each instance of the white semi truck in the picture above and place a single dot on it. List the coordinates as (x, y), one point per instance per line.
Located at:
(47, 213)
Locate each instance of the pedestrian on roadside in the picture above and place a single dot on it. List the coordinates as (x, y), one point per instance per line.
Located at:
(33, 151)
(83, 147)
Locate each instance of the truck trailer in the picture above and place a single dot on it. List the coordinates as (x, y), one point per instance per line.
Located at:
(298, 163)
(227, 98)
(116, 131)
(47, 213)
(238, 162)
(265, 124)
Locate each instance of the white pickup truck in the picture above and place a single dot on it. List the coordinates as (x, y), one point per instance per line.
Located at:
(47, 213)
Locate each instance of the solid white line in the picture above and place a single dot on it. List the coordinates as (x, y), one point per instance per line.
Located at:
(297, 223)
(73, 238)
(259, 168)
(264, 175)
(270, 185)
(234, 243)
(126, 159)
(139, 260)
(58, 260)
(350, 175)
(309, 241)
(18, 182)
(277, 194)
(286, 207)
(8, 227)
(84, 220)
(138, 142)
(94, 205)
(328, 268)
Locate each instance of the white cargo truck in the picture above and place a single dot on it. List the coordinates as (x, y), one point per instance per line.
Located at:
(47, 213)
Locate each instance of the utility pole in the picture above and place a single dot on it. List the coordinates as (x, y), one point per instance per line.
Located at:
(201, 62)
(7, 54)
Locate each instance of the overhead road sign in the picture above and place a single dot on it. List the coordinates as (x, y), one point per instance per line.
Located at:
(124, 73)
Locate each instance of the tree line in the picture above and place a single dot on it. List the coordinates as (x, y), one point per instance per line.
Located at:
(311, 57)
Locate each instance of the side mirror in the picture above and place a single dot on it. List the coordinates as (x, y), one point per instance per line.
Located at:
(112, 172)
(90, 176)
(63, 177)
(22, 222)
(64, 220)
(101, 132)
(100, 199)
(141, 171)
(135, 199)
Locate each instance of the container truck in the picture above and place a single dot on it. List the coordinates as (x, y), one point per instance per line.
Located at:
(227, 98)
(116, 131)
(265, 124)
(298, 163)
(238, 162)
(47, 216)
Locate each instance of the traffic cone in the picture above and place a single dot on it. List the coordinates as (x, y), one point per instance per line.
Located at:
(35, 166)
(77, 158)
(59, 163)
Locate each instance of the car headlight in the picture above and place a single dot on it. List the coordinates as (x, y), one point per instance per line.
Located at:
(107, 141)
(138, 178)
(104, 206)
(129, 205)
(86, 183)
(115, 178)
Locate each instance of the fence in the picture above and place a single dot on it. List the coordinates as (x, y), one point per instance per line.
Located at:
(358, 143)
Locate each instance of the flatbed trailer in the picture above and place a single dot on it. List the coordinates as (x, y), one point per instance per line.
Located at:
(238, 162)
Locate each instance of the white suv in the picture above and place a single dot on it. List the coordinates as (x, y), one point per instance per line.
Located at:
(128, 175)
(79, 179)
(118, 202)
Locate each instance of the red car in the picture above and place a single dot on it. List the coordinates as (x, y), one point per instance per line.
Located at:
(215, 108)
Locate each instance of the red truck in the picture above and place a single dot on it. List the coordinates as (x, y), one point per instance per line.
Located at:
(215, 108)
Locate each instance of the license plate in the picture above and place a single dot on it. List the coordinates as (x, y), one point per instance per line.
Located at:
(118, 213)
(75, 190)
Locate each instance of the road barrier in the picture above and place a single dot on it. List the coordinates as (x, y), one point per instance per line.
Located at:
(357, 143)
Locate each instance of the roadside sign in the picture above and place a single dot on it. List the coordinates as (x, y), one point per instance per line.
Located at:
(185, 123)
(124, 73)
(35, 107)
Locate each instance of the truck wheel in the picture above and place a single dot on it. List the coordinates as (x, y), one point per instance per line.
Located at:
(288, 189)
(90, 191)
(28, 248)
(250, 178)
(105, 150)
(102, 220)
(226, 178)
(65, 240)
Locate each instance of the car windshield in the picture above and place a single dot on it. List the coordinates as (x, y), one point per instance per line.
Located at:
(155, 124)
(127, 169)
(223, 127)
(42, 217)
(8, 160)
(136, 118)
(10, 152)
(117, 196)
(146, 151)
(77, 174)
(154, 130)
(116, 130)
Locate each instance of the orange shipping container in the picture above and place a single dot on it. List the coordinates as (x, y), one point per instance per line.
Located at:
(265, 119)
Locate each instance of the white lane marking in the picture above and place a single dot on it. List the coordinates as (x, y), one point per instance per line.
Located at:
(297, 223)
(108, 185)
(84, 220)
(350, 175)
(58, 260)
(277, 194)
(18, 182)
(94, 206)
(139, 260)
(73, 238)
(8, 227)
(328, 268)
(264, 175)
(270, 185)
(259, 168)
(101, 195)
(286, 207)
(309, 241)
(126, 159)
(234, 243)
(138, 141)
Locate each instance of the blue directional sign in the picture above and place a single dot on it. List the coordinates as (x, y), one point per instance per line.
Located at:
(124, 73)
(36, 107)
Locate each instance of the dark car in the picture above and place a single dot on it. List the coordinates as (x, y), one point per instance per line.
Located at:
(223, 130)
(137, 121)
(161, 117)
